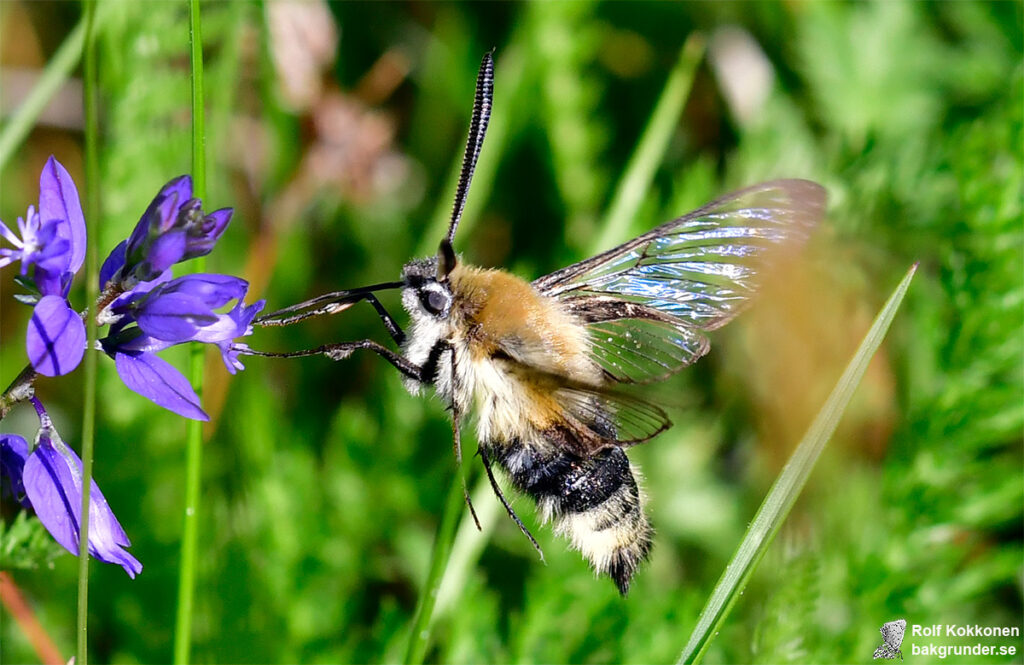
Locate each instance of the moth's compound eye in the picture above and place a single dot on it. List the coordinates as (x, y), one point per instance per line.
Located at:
(434, 301)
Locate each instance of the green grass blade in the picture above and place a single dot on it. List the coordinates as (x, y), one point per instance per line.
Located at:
(419, 639)
(56, 72)
(788, 485)
(649, 151)
(194, 436)
(92, 206)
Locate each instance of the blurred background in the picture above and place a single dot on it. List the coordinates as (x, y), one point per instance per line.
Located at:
(335, 132)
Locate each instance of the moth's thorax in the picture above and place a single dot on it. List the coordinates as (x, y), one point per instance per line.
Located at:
(512, 348)
(504, 314)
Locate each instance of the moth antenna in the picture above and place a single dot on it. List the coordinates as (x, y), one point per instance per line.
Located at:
(477, 130)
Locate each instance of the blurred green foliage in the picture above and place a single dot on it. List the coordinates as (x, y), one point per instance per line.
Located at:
(324, 482)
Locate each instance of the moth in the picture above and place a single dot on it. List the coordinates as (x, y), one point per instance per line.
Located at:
(892, 638)
(539, 363)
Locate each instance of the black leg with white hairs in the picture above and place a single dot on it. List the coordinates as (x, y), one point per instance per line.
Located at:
(508, 508)
(343, 350)
(389, 322)
(332, 303)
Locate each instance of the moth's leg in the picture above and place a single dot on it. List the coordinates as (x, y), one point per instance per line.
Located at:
(389, 322)
(343, 350)
(511, 513)
(329, 303)
(332, 303)
(457, 439)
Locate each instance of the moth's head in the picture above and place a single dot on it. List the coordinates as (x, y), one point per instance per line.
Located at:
(426, 289)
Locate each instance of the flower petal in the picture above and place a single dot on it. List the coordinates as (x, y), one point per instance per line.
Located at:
(174, 317)
(53, 484)
(160, 214)
(166, 250)
(156, 380)
(113, 263)
(13, 453)
(58, 199)
(56, 337)
(204, 236)
(215, 290)
(9, 235)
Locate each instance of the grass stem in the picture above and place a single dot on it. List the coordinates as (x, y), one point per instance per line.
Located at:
(57, 71)
(419, 639)
(194, 437)
(92, 211)
(636, 180)
(787, 487)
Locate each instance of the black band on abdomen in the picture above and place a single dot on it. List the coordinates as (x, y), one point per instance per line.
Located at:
(576, 484)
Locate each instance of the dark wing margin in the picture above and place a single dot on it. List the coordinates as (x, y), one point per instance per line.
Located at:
(687, 276)
(598, 419)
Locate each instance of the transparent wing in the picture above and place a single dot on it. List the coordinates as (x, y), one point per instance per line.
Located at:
(690, 275)
(702, 266)
(598, 420)
(633, 343)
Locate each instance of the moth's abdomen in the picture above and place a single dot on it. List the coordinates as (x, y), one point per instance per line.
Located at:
(594, 501)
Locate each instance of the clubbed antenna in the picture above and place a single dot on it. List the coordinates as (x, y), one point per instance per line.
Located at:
(477, 130)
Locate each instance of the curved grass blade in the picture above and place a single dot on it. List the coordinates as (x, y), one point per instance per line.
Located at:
(787, 486)
(648, 153)
(57, 71)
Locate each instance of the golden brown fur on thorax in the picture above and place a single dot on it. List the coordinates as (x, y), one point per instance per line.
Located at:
(504, 314)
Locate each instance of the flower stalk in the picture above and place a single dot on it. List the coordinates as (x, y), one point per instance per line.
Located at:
(194, 448)
(92, 189)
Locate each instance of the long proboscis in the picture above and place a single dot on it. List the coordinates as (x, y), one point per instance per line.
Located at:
(477, 130)
(328, 303)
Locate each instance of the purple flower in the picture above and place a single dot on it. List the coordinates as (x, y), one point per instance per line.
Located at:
(51, 249)
(52, 238)
(146, 309)
(159, 314)
(156, 379)
(182, 309)
(56, 337)
(38, 245)
(52, 482)
(13, 453)
(173, 229)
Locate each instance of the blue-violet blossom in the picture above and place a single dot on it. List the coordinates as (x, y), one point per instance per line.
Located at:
(146, 309)
(161, 313)
(51, 249)
(173, 229)
(49, 479)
